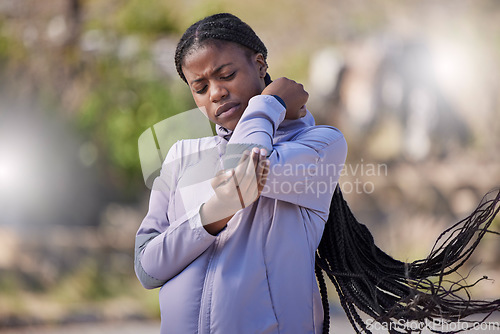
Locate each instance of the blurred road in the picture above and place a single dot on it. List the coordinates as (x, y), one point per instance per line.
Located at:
(141, 327)
(340, 325)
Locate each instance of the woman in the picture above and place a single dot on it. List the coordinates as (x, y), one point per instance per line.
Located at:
(235, 220)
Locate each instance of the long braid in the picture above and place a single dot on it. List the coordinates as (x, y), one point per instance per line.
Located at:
(369, 280)
(324, 298)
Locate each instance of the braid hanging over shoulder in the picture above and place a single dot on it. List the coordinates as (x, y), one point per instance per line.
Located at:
(371, 281)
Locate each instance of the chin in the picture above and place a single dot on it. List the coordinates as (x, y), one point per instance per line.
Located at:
(230, 125)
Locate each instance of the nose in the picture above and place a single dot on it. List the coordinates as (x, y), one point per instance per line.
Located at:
(218, 92)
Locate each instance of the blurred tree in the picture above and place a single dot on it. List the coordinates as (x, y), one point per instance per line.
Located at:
(148, 17)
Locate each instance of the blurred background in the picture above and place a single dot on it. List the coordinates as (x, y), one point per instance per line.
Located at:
(413, 85)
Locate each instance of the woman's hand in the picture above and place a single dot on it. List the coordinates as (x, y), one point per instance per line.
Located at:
(292, 93)
(235, 189)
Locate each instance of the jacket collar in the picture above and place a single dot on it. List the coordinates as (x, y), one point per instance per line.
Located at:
(223, 132)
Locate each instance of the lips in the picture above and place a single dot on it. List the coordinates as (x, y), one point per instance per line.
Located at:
(225, 108)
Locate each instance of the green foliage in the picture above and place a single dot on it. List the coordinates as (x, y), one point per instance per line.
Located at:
(90, 282)
(3, 44)
(9, 283)
(205, 8)
(11, 49)
(95, 286)
(146, 16)
(125, 101)
(296, 67)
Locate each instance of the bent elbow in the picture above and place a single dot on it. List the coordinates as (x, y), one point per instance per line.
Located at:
(147, 285)
(146, 280)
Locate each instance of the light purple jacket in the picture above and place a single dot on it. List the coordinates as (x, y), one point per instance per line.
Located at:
(257, 274)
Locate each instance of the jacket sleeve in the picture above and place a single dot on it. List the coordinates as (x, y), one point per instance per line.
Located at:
(164, 248)
(304, 169)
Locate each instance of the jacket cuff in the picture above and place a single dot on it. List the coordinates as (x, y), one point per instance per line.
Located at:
(280, 100)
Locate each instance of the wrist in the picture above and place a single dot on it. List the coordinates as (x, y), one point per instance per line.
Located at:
(280, 100)
(215, 216)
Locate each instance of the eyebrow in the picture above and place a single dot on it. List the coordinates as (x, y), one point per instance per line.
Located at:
(218, 69)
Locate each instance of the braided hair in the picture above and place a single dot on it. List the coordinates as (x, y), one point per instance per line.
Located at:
(388, 290)
(367, 279)
(218, 27)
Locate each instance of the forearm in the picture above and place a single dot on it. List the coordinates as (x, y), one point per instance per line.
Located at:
(305, 162)
(211, 216)
(166, 254)
(166, 245)
(215, 213)
(306, 170)
(256, 127)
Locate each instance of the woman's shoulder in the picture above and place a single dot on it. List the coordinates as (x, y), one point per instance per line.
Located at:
(333, 131)
(320, 134)
(185, 147)
(186, 153)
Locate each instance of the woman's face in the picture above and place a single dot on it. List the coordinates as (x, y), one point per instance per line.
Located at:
(223, 76)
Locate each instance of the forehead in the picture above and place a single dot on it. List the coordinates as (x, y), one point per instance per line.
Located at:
(209, 57)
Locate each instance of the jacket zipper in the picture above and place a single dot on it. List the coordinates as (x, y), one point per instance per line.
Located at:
(206, 294)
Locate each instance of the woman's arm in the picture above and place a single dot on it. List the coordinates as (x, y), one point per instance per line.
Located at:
(234, 189)
(164, 248)
(303, 170)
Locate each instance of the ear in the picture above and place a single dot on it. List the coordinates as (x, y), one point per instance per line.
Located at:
(261, 64)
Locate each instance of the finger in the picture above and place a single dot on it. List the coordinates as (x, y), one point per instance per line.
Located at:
(238, 190)
(261, 162)
(255, 157)
(240, 169)
(263, 176)
(244, 157)
(247, 164)
(253, 162)
(248, 183)
(302, 111)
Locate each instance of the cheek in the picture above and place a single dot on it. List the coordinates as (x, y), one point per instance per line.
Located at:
(198, 100)
(203, 105)
(258, 84)
(251, 86)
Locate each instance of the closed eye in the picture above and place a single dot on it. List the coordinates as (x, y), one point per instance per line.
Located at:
(228, 77)
(201, 91)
